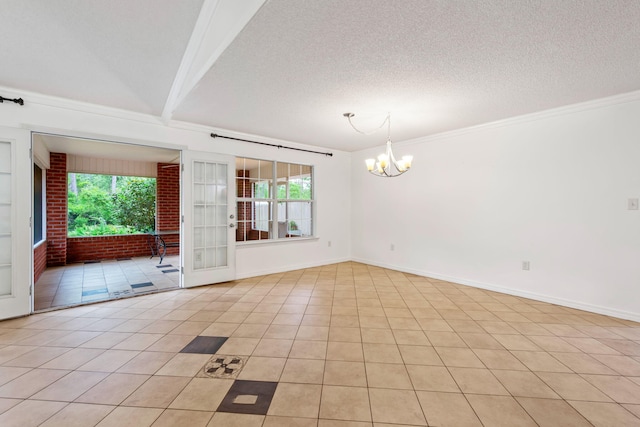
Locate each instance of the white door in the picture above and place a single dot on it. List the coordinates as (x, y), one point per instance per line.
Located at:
(209, 211)
(15, 233)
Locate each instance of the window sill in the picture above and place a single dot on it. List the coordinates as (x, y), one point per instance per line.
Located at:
(267, 242)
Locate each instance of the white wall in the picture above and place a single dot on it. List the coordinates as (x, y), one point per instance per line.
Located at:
(63, 117)
(550, 188)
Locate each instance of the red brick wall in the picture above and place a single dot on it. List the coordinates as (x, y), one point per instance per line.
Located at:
(57, 210)
(39, 261)
(243, 189)
(61, 250)
(168, 197)
(168, 203)
(107, 247)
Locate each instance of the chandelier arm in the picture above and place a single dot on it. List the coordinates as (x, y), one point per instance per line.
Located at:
(386, 120)
(384, 174)
(387, 161)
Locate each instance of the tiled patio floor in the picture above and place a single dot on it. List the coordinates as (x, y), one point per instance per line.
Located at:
(96, 281)
(345, 345)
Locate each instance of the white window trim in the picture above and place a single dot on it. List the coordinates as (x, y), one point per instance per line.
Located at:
(274, 208)
(37, 162)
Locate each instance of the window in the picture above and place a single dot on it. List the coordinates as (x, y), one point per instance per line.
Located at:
(38, 204)
(105, 205)
(275, 200)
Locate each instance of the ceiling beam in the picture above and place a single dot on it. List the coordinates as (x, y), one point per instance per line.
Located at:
(218, 24)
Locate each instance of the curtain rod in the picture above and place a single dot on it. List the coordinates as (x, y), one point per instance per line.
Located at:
(215, 135)
(16, 100)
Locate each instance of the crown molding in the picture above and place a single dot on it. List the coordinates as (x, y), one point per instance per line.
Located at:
(117, 113)
(89, 108)
(36, 98)
(529, 117)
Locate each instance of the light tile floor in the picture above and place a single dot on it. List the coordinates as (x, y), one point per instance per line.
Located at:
(346, 345)
(80, 283)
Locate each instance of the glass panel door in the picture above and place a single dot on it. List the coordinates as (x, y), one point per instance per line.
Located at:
(210, 211)
(15, 233)
(209, 220)
(5, 219)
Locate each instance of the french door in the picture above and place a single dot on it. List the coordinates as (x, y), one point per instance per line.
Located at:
(15, 231)
(209, 218)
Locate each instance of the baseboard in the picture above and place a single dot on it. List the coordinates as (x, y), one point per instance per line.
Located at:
(621, 314)
(291, 268)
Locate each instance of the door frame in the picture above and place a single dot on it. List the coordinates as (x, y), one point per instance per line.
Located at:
(20, 301)
(102, 138)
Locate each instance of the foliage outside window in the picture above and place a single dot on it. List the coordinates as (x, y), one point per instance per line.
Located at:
(275, 200)
(106, 205)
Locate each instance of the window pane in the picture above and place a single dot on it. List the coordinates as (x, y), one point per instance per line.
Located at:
(221, 178)
(198, 259)
(198, 216)
(297, 217)
(210, 173)
(258, 190)
(261, 215)
(261, 189)
(37, 204)
(211, 258)
(5, 219)
(221, 257)
(210, 219)
(294, 181)
(5, 188)
(5, 280)
(198, 237)
(198, 172)
(5, 250)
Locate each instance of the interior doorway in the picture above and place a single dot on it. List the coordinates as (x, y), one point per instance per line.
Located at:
(99, 245)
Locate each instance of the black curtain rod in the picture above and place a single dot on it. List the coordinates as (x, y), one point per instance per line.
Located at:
(215, 135)
(16, 100)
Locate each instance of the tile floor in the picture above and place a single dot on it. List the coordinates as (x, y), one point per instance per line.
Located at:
(80, 283)
(345, 345)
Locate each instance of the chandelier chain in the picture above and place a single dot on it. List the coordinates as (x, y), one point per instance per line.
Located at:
(386, 121)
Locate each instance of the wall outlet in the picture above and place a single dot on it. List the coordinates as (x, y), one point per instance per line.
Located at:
(329, 243)
(393, 247)
(633, 204)
(526, 265)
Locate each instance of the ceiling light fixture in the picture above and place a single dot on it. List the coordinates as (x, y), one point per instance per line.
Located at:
(387, 166)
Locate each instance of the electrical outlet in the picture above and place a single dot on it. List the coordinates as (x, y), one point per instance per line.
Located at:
(526, 265)
(633, 204)
(329, 243)
(393, 247)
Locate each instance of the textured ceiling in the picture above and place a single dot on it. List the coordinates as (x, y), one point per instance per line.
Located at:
(296, 66)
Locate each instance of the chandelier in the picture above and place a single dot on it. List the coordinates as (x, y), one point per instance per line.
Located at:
(387, 166)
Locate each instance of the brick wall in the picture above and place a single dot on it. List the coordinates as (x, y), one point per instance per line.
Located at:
(61, 250)
(39, 261)
(243, 189)
(81, 249)
(57, 210)
(168, 203)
